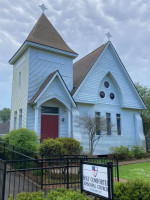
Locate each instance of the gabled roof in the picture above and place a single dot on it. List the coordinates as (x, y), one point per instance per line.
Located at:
(4, 128)
(42, 87)
(46, 84)
(44, 33)
(83, 66)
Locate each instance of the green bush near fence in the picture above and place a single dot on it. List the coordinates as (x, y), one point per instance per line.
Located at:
(59, 194)
(59, 146)
(135, 190)
(23, 138)
(128, 152)
(70, 145)
(132, 190)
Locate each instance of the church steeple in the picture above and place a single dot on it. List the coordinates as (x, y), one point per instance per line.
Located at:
(45, 34)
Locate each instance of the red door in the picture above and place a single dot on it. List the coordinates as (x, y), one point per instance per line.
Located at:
(49, 126)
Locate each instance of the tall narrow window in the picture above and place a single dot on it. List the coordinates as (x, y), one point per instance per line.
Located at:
(20, 118)
(108, 121)
(19, 79)
(118, 118)
(15, 119)
(98, 118)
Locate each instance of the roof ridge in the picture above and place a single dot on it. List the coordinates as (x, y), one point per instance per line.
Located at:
(90, 53)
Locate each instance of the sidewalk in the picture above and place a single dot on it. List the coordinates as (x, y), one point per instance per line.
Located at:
(133, 161)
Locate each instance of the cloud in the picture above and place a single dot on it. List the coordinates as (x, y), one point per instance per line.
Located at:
(83, 25)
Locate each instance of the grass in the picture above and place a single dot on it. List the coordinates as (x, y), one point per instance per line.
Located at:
(135, 171)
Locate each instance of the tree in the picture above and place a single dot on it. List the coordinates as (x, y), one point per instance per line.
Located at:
(94, 127)
(5, 115)
(144, 92)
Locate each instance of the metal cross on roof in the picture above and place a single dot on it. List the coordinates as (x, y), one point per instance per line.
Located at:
(43, 7)
(108, 35)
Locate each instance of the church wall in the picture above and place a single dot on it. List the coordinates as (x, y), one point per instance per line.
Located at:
(128, 129)
(62, 114)
(55, 90)
(107, 64)
(42, 64)
(19, 93)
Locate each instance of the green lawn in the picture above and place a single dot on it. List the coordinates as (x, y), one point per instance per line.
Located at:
(135, 171)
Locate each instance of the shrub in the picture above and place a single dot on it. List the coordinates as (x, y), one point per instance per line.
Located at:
(70, 145)
(59, 194)
(29, 196)
(122, 153)
(23, 138)
(132, 190)
(64, 194)
(50, 147)
(59, 146)
(138, 152)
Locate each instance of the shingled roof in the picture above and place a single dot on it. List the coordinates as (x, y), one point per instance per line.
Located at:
(83, 66)
(44, 33)
(4, 128)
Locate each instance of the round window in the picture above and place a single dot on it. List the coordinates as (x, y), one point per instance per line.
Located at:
(102, 94)
(106, 84)
(112, 96)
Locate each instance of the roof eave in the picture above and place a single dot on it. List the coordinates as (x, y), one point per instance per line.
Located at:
(27, 44)
(57, 73)
(20, 51)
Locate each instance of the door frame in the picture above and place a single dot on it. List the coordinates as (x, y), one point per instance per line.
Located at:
(58, 114)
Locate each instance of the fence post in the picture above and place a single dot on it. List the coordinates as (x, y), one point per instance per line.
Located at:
(4, 150)
(67, 173)
(110, 179)
(4, 180)
(117, 169)
(81, 185)
(42, 173)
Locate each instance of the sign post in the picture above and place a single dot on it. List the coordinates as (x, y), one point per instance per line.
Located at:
(97, 179)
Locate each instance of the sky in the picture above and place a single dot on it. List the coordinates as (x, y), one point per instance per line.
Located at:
(83, 25)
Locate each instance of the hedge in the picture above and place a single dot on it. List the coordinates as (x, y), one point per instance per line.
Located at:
(23, 138)
(128, 152)
(59, 194)
(59, 146)
(132, 190)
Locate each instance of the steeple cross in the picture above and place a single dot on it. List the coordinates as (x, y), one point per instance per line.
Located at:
(43, 7)
(108, 35)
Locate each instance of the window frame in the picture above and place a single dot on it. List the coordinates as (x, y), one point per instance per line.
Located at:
(118, 119)
(20, 118)
(108, 121)
(15, 120)
(98, 117)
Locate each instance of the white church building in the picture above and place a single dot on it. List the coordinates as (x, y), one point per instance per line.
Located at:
(49, 91)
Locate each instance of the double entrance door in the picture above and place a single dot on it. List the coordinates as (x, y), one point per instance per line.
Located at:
(49, 122)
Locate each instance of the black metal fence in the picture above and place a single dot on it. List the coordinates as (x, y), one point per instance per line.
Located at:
(19, 172)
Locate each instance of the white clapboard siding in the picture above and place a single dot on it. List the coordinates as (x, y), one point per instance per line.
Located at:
(42, 64)
(108, 66)
(55, 90)
(128, 127)
(20, 94)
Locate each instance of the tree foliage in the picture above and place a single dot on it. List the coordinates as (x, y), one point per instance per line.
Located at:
(144, 91)
(90, 126)
(5, 115)
(23, 138)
